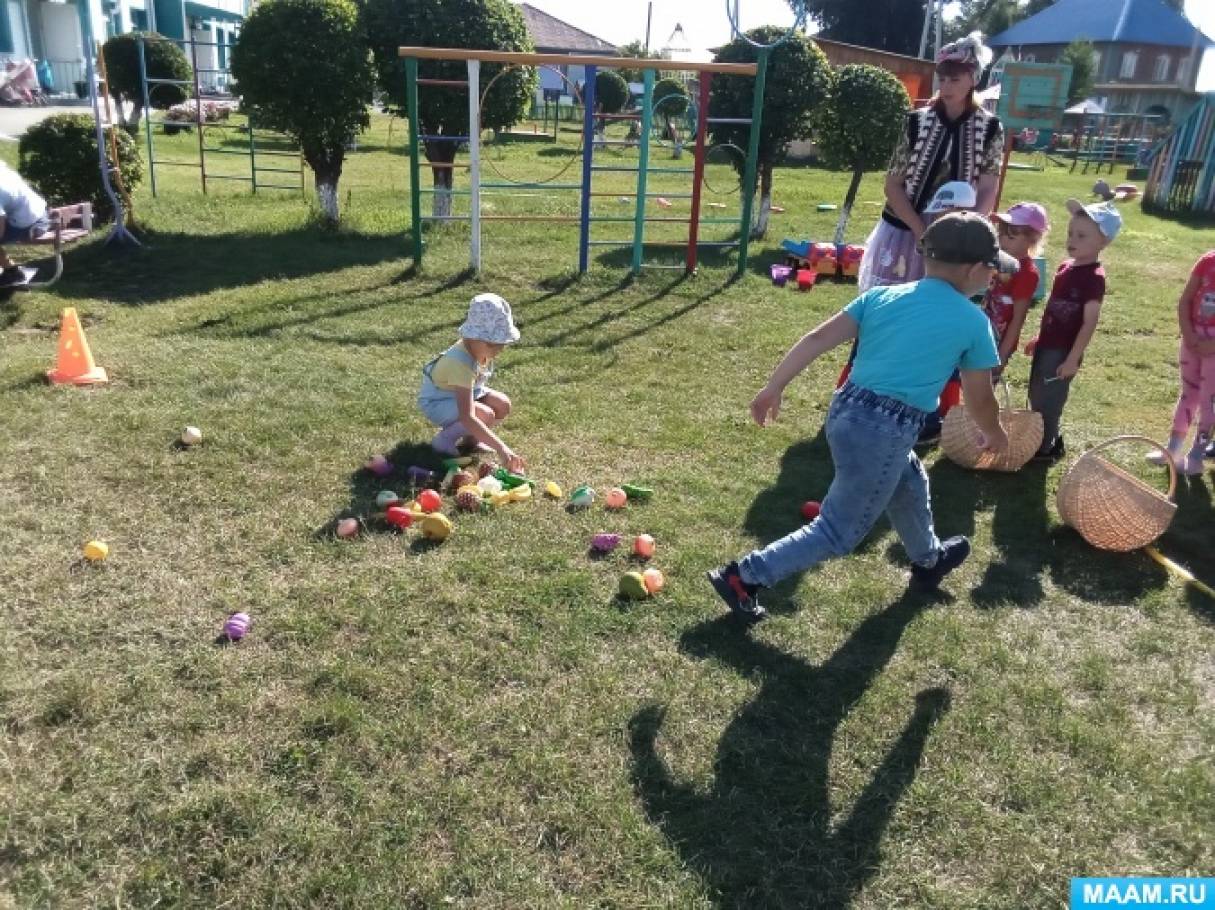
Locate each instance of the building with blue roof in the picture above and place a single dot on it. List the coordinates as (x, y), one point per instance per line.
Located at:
(1147, 53)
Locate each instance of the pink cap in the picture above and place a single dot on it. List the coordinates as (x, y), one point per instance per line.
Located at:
(1025, 214)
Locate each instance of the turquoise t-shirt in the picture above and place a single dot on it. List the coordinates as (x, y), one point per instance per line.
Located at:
(911, 337)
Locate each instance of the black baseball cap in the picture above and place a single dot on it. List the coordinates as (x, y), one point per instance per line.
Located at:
(966, 238)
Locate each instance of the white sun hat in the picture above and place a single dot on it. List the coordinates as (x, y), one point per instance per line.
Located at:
(489, 319)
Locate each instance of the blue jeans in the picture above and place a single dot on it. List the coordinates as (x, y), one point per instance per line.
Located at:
(876, 470)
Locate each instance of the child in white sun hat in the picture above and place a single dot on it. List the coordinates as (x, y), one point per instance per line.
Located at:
(454, 395)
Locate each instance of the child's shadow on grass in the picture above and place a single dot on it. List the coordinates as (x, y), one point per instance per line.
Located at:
(1188, 541)
(1028, 545)
(365, 485)
(761, 834)
(806, 472)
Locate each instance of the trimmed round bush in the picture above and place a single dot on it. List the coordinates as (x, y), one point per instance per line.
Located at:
(611, 91)
(165, 60)
(59, 158)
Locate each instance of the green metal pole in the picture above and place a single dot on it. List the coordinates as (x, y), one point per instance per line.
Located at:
(643, 167)
(252, 154)
(415, 194)
(757, 117)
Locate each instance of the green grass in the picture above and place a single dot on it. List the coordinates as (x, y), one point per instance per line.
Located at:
(483, 724)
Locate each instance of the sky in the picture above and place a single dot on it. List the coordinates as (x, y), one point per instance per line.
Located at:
(705, 23)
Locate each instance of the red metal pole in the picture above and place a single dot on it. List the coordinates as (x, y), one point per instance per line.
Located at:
(698, 170)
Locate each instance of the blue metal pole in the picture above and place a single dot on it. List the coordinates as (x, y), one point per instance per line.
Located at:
(147, 113)
(643, 168)
(588, 155)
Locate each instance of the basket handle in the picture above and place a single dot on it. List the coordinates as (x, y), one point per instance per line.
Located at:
(1007, 393)
(1168, 459)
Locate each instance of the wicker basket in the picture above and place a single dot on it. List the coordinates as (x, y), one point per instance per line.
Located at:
(1110, 508)
(961, 439)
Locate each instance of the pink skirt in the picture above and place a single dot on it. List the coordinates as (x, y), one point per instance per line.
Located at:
(891, 257)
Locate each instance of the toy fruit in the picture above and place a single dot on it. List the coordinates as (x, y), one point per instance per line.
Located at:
(379, 466)
(469, 488)
(462, 479)
(615, 498)
(469, 500)
(436, 526)
(347, 528)
(419, 476)
(237, 626)
(634, 492)
(485, 468)
(430, 501)
(96, 550)
(499, 498)
(400, 518)
(632, 586)
(582, 497)
(509, 480)
(553, 490)
(654, 581)
(490, 484)
(605, 543)
(191, 436)
(643, 546)
(810, 510)
(520, 494)
(386, 498)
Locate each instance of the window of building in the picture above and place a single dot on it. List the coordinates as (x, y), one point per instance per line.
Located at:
(1130, 62)
(1162, 68)
(1183, 69)
(139, 20)
(1097, 64)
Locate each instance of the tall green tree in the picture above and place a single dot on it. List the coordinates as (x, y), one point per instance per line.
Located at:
(611, 91)
(798, 80)
(474, 24)
(635, 50)
(859, 126)
(304, 65)
(1079, 56)
(888, 25)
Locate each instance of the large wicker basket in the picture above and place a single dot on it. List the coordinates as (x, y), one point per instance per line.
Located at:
(962, 441)
(1112, 509)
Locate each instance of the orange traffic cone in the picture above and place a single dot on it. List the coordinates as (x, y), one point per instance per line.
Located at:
(75, 362)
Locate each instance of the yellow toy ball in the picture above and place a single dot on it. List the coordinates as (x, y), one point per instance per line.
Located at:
(96, 550)
(553, 490)
(436, 526)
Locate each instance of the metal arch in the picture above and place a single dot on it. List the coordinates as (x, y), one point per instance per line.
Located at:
(802, 15)
(578, 97)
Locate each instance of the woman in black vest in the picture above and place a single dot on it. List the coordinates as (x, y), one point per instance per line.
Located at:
(953, 138)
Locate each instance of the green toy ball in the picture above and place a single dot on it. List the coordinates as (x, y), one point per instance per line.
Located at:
(386, 498)
(633, 586)
(582, 497)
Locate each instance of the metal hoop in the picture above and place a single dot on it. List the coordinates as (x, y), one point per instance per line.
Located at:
(481, 126)
(691, 109)
(705, 179)
(802, 14)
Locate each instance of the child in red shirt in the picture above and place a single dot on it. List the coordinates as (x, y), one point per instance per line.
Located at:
(1196, 359)
(1070, 318)
(1022, 230)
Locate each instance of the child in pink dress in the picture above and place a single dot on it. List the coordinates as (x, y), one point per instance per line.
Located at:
(1196, 359)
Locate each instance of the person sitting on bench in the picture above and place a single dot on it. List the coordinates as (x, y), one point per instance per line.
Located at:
(23, 216)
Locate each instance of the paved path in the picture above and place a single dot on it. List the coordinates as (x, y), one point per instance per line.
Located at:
(16, 120)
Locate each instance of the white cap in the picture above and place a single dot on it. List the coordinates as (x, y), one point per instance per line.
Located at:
(952, 196)
(1104, 215)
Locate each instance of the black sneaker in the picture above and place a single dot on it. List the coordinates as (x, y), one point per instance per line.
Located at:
(931, 434)
(953, 553)
(12, 276)
(739, 596)
(1054, 453)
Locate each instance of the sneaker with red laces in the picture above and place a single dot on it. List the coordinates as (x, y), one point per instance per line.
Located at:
(739, 596)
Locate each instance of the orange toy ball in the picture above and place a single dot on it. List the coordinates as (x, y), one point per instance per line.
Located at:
(615, 498)
(430, 501)
(643, 546)
(398, 517)
(653, 579)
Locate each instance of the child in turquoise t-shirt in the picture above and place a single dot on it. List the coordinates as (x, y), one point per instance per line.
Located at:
(910, 338)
